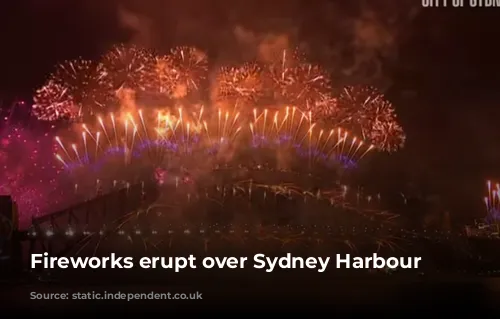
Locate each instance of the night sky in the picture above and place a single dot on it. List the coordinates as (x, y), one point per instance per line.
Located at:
(439, 66)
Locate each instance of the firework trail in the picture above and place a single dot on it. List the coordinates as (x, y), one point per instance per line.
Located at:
(199, 142)
(492, 201)
(488, 227)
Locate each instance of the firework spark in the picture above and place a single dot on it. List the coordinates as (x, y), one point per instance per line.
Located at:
(365, 110)
(158, 77)
(125, 67)
(52, 102)
(295, 82)
(239, 85)
(87, 84)
(189, 68)
(27, 173)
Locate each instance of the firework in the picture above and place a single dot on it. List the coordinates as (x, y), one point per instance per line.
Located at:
(294, 129)
(86, 83)
(199, 143)
(125, 67)
(280, 61)
(125, 137)
(189, 68)
(159, 77)
(492, 201)
(239, 85)
(52, 102)
(27, 173)
(488, 227)
(298, 83)
(386, 133)
(286, 80)
(365, 110)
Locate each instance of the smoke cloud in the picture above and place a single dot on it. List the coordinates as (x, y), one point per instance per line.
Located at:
(139, 25)
(352, 41)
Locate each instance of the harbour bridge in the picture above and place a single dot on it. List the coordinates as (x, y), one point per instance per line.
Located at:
(57, 233)
(105, 215)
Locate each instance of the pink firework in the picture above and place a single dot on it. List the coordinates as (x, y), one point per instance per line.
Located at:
(28, 172)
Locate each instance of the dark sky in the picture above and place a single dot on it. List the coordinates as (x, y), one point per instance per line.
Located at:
(440, 67)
